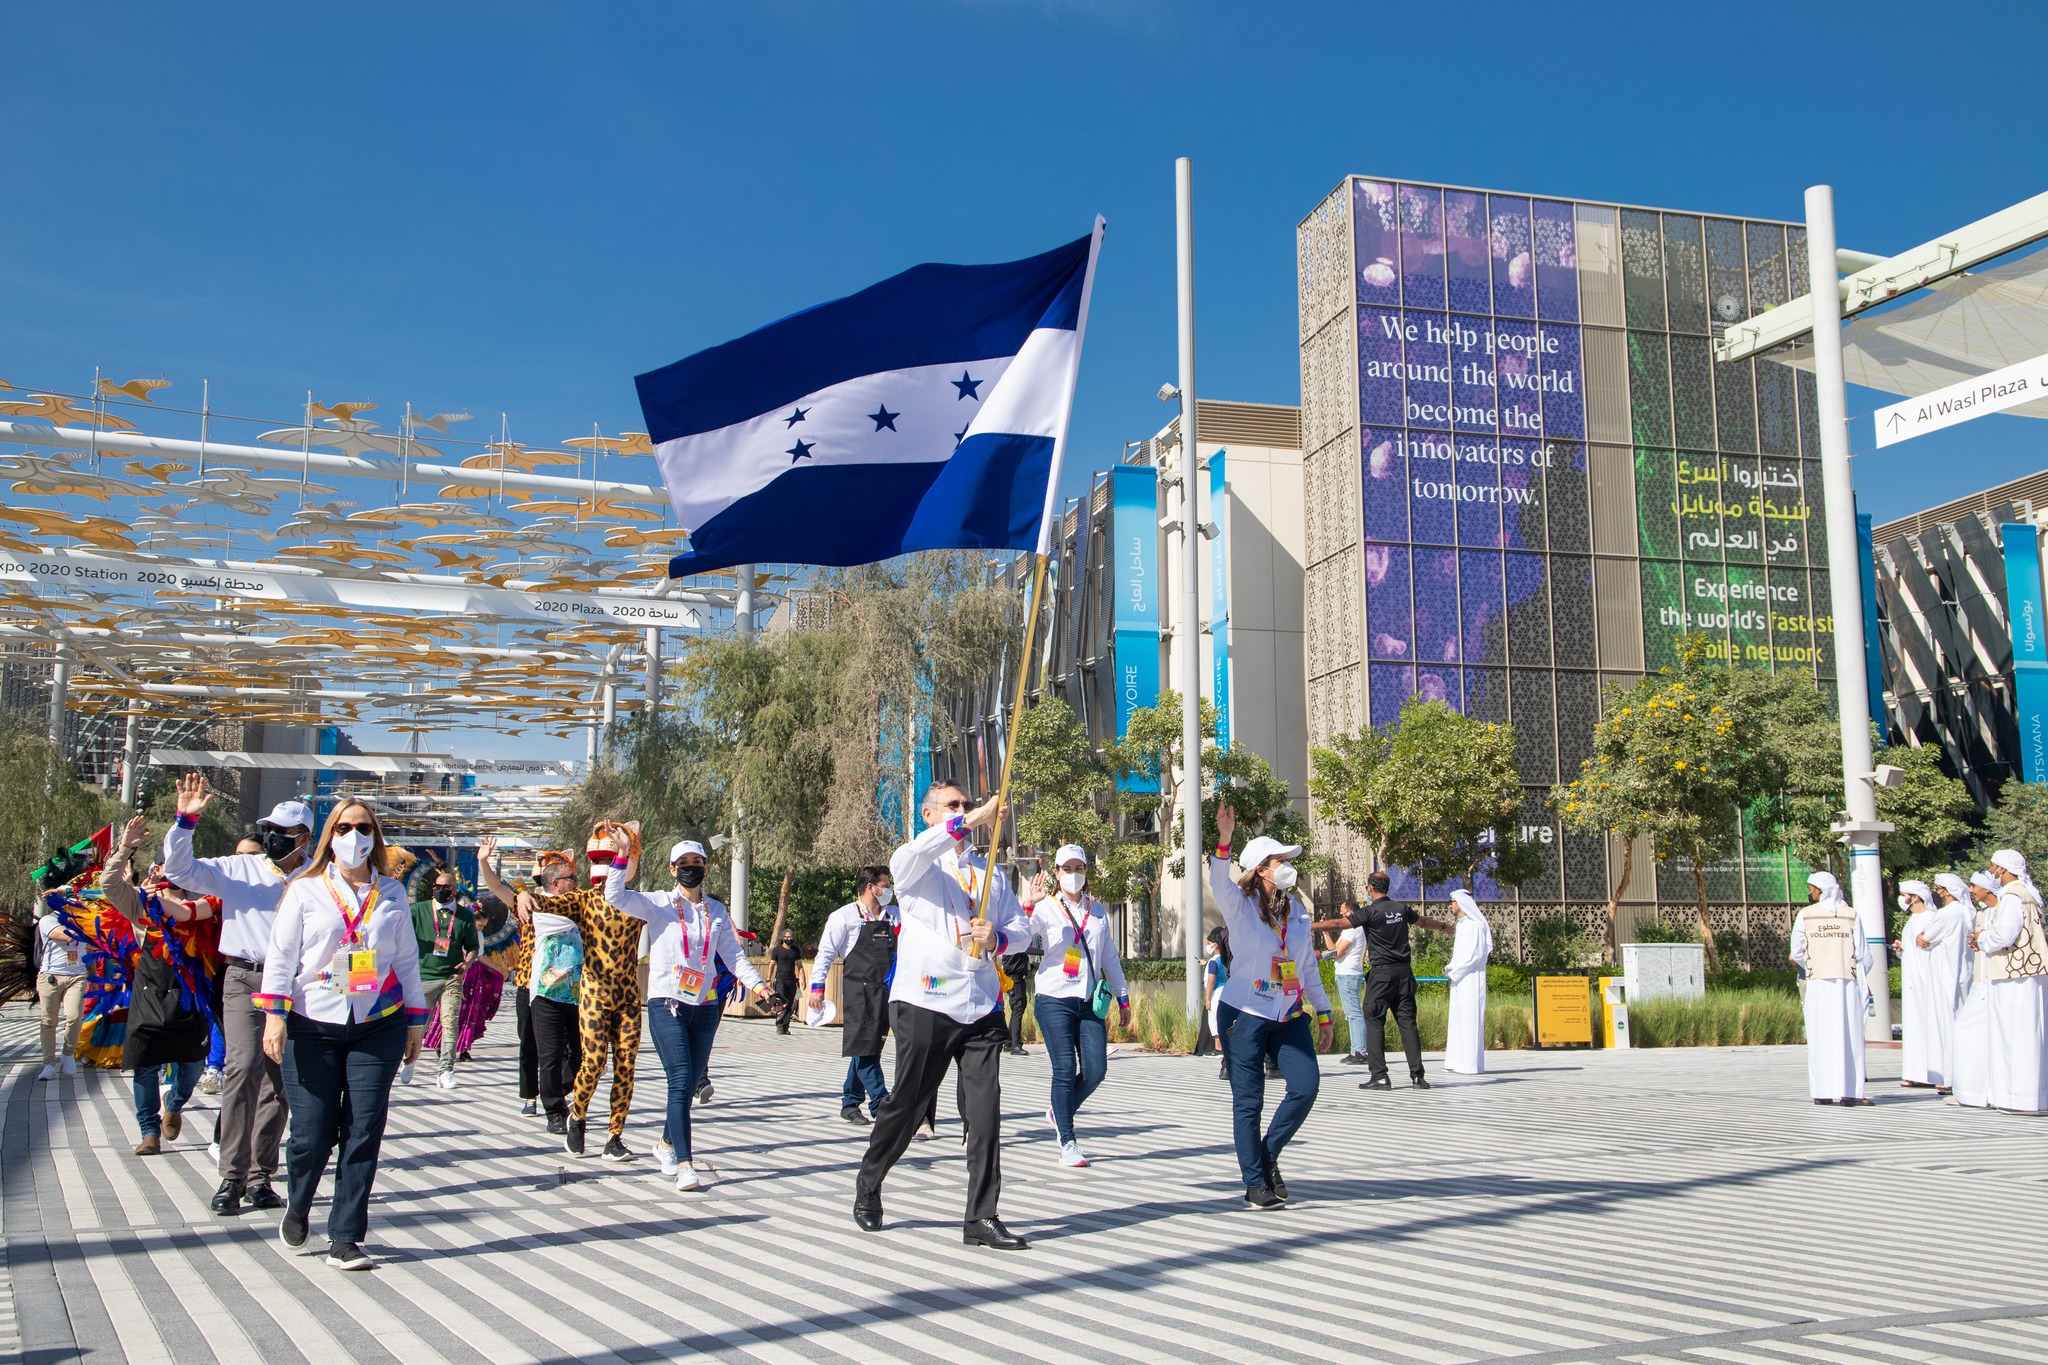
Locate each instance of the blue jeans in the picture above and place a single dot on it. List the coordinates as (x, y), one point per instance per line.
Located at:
(337, 1079)
(683, 1042)
(1248, 1040)
(864, 1076)
(149, 1108)
(1073, 1035)
(1351, 995)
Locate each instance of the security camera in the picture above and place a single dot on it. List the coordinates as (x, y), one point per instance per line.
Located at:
(1167, 393)
(1889, 776)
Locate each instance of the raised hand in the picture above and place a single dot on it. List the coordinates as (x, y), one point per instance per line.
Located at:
(487, 849)
(193, 794)
(983, 815)
(1226, 823)
(134, 832)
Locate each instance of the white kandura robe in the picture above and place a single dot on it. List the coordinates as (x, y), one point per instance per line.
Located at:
(2018, 1011)
(1834, 1018)
(1928, 977)
(1465, 1038)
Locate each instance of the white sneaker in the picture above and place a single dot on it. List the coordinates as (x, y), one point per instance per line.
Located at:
(213, 1152)
(686, 1179)
(405, 1074)
(446, 1080)
(665, 1153)
(71, 1066)
(209, 1081)
(48, 1073)
(1070, 1154)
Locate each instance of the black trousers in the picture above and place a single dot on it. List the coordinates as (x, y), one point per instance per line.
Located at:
(928, 1042)
(529, 1049)
(558, 1045)
(337, 1078)
(1391, 988)
(1020, 1001)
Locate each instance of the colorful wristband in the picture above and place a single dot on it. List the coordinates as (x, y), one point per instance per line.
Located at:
(186, 820)
(957, 827)
(1223, 851)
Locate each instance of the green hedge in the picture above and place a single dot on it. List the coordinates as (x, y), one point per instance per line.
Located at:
(1718, 1019)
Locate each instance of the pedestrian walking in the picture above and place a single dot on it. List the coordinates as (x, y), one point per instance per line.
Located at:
(862, 935)
(1081, 976)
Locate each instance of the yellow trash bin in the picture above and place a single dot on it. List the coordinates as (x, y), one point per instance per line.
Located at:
(1614, 1009)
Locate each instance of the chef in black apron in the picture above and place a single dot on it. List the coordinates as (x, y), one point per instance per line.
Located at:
(862, 936)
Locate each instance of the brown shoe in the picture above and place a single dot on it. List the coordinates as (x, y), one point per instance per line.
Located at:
(149, 1146)
(174, 1124)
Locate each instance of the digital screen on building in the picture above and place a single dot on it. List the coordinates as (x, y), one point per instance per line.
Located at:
(1559, 481)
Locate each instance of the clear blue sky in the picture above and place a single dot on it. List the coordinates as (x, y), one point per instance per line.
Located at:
(517, 207)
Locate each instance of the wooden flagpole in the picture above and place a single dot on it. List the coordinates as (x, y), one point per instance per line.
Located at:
(1010, 741)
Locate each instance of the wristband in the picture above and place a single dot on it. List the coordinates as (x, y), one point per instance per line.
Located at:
(187, 820)
(1223, 851)
(957, 827)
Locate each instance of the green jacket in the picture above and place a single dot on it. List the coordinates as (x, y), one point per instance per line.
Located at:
(458, 922)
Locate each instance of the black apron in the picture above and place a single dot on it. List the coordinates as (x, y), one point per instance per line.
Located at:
(864, 989)
(160, 1028)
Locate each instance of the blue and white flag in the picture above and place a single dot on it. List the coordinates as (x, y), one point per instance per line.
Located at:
(925, 412)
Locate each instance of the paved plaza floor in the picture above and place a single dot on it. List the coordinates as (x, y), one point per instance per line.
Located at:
(1641, 1206)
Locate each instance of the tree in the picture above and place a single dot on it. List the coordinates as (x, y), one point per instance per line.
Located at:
(1069, 790)
(662, 773)
(1680, 756)
(1435, 791)
(2017, 819)
(1932, 811)
(48, 809)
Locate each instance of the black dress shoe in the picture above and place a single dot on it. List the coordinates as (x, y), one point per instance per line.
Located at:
(868, 1218)
(1378, 1083)
(990, 1232)
(227, 1200)
(852, 1114)
(1418, 1084)
(261, 1196)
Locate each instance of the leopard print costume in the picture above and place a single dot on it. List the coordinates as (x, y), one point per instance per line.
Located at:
(609, 1014)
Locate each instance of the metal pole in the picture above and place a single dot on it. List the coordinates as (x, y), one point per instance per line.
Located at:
(1845, 582)
(653, 652)
(742, 856)
(60, 684)
(128, 745)
(1010, 747)
(1186, 632)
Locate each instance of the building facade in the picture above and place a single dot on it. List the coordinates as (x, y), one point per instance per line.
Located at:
(1527, 476)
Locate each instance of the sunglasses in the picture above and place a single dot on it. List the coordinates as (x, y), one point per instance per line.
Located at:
(359, 826)
(954, 805)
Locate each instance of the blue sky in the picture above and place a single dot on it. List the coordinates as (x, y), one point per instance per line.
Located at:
(516, 207)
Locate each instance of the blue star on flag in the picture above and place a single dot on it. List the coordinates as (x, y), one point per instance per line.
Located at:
(795, 415)
(882, 417)
(800, 451)
(968, 385)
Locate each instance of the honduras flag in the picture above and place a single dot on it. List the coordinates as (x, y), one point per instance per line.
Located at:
(926, 412)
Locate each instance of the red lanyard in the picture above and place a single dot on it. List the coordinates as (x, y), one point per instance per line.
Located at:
(351, 929)
(684, 925)
(1080, 930)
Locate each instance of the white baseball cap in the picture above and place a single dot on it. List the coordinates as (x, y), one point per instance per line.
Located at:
(1264, 847)
(1068, 853)
(289, 815)
(686, 846)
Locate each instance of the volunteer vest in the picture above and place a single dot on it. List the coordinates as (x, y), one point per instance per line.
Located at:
(1830, 947)
(2028, 956)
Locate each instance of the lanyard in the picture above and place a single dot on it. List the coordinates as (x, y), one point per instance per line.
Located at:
(351, 929)
(439, 932)
(1080, 930)
(684, 925)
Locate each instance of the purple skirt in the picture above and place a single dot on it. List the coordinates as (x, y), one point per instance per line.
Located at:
(482, 991)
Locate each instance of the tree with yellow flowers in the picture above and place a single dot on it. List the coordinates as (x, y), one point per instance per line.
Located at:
(1677, 758)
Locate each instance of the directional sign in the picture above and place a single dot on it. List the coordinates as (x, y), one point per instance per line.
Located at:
(1993, 392)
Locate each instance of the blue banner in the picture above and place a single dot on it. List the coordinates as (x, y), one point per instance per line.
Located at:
(1219, 600)
(1134, 567)
(1873, 645)
(2023, 610)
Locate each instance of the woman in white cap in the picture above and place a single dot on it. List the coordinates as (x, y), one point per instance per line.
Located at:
(2012, 952)
(1266, 1003)
(1077, 978)
(1927, 945)
(1465, 1040)
(1828, 945)
(341, 989)
(1970, 1035)
(688, 934)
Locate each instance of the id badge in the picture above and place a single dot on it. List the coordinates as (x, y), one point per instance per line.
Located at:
(356, 970)
(1285, 972)
(1073, 959)
(690, 984)
(441, 946)
(71, 957)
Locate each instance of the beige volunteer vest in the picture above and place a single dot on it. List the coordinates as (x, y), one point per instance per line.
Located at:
(2028, 955)
(1830, 947)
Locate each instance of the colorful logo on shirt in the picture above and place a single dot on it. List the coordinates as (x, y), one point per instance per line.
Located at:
(934, 984)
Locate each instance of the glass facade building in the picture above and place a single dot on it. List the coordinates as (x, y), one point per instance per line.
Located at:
(1527, 475)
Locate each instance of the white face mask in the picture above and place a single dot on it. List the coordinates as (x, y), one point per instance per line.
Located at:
(351, 849)
(1284, 876)
(1072, 882)
(1906, 905)
(885, 895)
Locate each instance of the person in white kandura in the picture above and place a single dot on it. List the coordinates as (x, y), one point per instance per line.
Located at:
(1927, 946)
(2012, 950)
(1828, 945)
(688, 935)
(1079, 975)
(1465, 1037)
(1970, 1035)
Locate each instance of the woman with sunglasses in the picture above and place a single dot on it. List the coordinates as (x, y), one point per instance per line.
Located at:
(1263, 1015)
(341, 987)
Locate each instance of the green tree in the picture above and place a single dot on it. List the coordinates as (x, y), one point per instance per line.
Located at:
(1435, 791)
(1068, 789)
(2017, 819)
(49, 808)
(1932, 812)
(662, 774)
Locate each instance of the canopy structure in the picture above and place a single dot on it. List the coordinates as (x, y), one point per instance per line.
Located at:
(180, 556)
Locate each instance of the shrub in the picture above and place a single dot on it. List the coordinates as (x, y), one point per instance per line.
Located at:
(1651, 930)
(1718, 1019)
(1558, 943)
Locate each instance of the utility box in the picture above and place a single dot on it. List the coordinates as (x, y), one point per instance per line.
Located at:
(1614, 1003)
(1654, 971)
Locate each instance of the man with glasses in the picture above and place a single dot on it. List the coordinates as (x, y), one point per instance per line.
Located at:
(946, 1006)
(248, 887)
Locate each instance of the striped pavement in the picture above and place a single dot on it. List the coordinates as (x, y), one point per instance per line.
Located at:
(1647, 1206)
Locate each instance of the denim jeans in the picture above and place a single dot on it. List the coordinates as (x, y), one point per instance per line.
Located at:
(149, 1107)
(1351, 995)
(1076, 1041)
(683, 1042)
(337, 1078)
(864, 1076)
(1248, 1040)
